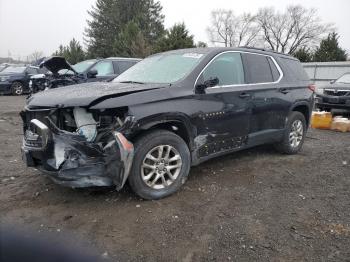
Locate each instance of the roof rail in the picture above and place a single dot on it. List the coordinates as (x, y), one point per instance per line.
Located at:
(264, 49)
(124, 58)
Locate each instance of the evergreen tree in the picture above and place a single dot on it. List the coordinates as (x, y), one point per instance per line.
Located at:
(73, 52)
(176, 37)
(131, 42)
(304, 54)
(113, 20)
(329, 50)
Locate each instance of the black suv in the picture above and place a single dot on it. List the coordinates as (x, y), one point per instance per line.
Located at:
(15, 79)
(336, 95)
(167, 113)
(61, 73)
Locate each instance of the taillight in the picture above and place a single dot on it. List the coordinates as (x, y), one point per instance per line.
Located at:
(312, 87)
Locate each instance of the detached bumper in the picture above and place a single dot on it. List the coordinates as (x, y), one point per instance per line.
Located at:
(68, 159)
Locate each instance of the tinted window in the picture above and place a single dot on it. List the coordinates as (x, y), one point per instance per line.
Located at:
(258, 69)
(228, 68)
(274, 70)
(124, 65)
(295, 68)
(32, 71)
(104, 68)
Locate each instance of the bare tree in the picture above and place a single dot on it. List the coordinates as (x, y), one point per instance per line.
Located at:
(295, 28)
(230, 30)
(35, 56)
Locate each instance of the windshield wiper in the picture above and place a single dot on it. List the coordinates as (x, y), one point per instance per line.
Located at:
(131, 82)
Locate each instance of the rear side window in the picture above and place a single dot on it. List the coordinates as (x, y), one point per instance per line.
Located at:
(274, 70)
(227, 67)
(123, 65)
(258, 69)
(295, 69)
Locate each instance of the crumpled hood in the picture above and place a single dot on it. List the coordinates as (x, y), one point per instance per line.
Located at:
(56, 63)
(85, 94)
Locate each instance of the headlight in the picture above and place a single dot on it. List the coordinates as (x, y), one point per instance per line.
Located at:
(30, 84)
(4, 78)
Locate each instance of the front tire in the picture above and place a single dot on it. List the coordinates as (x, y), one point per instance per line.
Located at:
(17, 88)
(294, 134)
(161, 164)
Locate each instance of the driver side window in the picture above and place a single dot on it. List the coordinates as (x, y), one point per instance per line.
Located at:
(104, 68)
(227, 67)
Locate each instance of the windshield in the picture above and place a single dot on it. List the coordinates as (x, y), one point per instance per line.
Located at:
(344, 79)
(83, 66)
(161, 68)
(14, 69)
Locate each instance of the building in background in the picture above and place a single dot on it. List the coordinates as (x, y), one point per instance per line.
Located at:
(321, 73)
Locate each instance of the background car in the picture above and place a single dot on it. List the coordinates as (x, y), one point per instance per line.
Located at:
(15, 79)
(61, 73)
(336, 95)
(3, 66)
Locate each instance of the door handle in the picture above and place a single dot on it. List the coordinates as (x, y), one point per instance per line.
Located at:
(244, 95)
(283, 90)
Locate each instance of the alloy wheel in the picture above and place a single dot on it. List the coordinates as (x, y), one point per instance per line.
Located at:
(296, 134)
(17, 88)
(161, 166)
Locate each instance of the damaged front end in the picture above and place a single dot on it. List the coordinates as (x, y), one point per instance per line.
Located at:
(78, 148)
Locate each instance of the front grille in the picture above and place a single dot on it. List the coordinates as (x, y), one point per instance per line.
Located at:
(334, 92)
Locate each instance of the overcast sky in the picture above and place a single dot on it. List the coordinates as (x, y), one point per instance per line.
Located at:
(42, 25)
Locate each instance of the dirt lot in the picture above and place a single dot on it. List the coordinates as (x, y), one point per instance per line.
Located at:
(255, 205)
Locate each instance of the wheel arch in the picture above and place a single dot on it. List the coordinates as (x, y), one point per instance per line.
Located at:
(304, 108)
(176, 123)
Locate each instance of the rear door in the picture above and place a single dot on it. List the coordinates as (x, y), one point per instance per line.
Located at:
(224, 125)
(270, 101)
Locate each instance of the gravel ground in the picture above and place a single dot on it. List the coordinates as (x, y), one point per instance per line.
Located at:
(255, 205)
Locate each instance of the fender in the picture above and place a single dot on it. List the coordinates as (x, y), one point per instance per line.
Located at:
(182, 119)
(302, 103)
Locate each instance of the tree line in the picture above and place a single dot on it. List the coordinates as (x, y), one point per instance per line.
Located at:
(135, 28)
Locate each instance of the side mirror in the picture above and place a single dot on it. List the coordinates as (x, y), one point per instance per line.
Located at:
(92, 73)
(213, 81)
(332, 81)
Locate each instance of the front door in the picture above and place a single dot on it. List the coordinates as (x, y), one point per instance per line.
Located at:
(224, 124)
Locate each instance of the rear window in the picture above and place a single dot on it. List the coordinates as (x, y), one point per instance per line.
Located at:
(258, 70)
(295, 69)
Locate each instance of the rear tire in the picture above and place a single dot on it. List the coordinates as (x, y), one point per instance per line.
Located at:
(294, 135)
(161, 164)
(17, 88)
